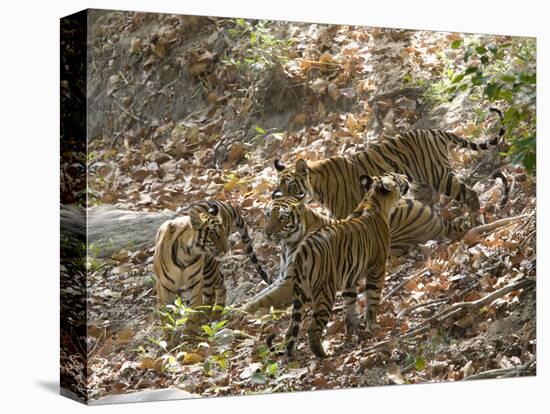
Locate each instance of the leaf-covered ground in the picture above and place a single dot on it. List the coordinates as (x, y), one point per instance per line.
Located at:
(190, 108)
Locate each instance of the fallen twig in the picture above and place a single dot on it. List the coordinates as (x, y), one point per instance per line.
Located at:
(404, 282)
(506, 372)
(127, 112)
(420, 305)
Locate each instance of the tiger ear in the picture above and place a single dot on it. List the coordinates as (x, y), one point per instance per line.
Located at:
(195, 218)
(212, 208)
(279, 166)
(301, 166)
(366, 182)
(276, 194)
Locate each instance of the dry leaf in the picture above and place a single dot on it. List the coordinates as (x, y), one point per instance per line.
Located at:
(192, 358)
(125, 336)
(147, 362)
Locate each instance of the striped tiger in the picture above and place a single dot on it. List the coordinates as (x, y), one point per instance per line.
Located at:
(187, 250)
(422, 155)
(336, 256)
(289, 219)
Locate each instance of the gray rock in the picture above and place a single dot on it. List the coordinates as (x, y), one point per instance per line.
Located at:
(73, 231)
(446, 115)
(111, 229)
(145, 396)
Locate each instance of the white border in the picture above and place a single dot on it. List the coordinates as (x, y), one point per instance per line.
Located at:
(29, 170)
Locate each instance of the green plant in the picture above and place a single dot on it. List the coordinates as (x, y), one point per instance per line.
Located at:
(264, 50)
(502, 74)
(269, 368)
(174, 316)
(213, 329)
(220, 360)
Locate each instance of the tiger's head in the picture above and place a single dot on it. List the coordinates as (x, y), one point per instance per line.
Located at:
(283, 217)
(293, 181)
(210, 232)
(384, 191)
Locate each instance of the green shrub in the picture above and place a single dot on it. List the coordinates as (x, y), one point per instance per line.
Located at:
(501, 74)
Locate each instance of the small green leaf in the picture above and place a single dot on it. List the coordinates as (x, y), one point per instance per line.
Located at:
(478, 79)
(458, 78)
(221, 324)
(508, 78)
(452, 89)
(208, 330)
(259, 130)
(420, 363)
(273, 369)
(471, 69)
(262, 351)
(456, 44)
(492, 89)
(506, 95)
(481, 50)
(531, 79)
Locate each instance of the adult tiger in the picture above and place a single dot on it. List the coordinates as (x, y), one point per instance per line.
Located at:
(422, 155)
(289, 219)
(187, 250)
(336, 256)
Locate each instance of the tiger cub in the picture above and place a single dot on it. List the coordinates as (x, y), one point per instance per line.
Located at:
(187, 250)
(422, 155)
(289, 219)
(336, 256)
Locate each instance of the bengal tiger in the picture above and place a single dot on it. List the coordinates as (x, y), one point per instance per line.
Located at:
(187, 250)
(336, 256)
(289, 219)
(422, 155)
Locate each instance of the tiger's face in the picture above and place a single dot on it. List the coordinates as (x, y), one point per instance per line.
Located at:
(293, 181)
(211, 234)
(283, 215)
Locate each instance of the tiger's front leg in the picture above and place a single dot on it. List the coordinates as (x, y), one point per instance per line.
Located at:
(195, 286)
(322, 311)
(373, 290)
(299, 298)
(291, 336)
(214, 287)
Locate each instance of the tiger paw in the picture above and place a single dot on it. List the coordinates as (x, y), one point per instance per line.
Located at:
(316, 346)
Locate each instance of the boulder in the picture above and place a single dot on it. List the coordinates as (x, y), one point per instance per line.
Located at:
(111, 229)
(145, 396)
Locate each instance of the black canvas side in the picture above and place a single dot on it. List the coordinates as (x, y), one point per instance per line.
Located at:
(73, 354)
